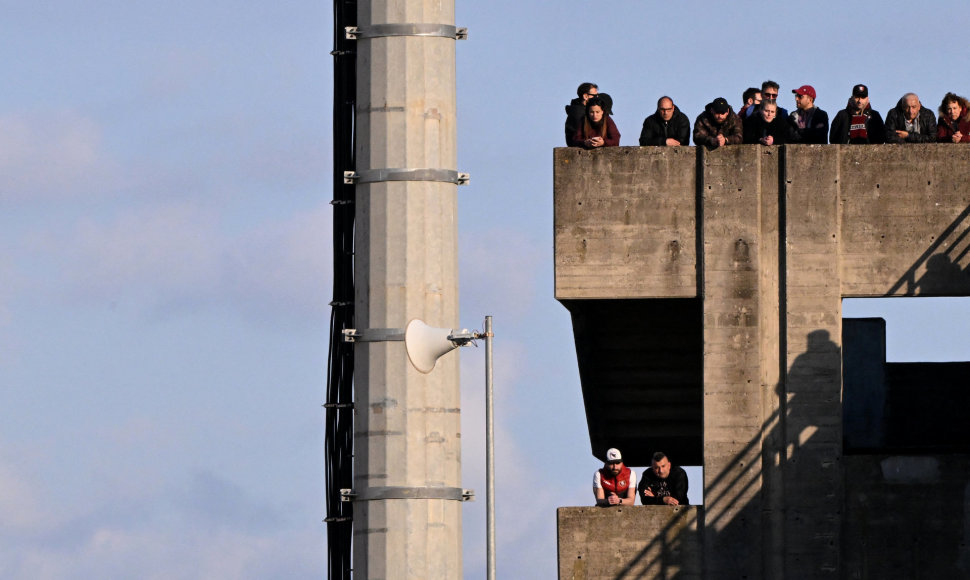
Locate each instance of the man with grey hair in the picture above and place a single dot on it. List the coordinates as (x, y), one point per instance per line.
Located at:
(910, 122)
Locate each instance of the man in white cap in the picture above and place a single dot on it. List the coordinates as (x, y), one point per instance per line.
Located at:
(615, 484)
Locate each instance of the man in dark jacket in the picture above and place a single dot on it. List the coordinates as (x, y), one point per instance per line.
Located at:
(663, 483)
(810, 125)
(910, 122)
(717, 125)
(668, 127)
(858, 123)
(576, 109)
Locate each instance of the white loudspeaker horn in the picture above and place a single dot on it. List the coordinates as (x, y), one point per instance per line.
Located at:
(425, 344)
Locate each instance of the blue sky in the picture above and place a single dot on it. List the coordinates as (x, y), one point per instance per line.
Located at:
(164, 257)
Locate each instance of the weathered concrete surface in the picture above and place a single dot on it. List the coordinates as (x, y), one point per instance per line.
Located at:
(780, 236)
(812, 410)
(904, 220)
(730, 233)
(603, 201)
(646, 542)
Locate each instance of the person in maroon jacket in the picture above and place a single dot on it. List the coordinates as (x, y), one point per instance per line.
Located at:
(615, 484)
(597, 129)
(954, 123)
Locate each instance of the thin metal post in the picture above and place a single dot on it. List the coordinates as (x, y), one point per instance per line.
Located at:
(489, 452)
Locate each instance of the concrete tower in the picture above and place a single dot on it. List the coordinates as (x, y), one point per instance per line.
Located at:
(407, 518)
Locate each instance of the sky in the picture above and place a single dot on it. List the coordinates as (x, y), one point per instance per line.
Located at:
(165, 224)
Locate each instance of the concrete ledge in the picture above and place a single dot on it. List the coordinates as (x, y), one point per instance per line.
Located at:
(629, 542)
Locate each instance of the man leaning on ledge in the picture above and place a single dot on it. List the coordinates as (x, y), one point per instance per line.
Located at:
(663, 483)
(615, 483)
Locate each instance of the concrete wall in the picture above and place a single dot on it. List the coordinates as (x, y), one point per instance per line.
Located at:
(626, 217)
(603, 206)
(644, 542)
(906, 517)
(770, 239)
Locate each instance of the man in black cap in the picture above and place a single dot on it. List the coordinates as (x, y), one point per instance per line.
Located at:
(717, 125)
(810, 124)
(858, 123)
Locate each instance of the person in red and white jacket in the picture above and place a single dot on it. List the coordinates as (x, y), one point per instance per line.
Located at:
(615, 483)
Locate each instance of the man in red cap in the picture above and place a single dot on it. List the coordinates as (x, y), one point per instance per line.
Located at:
(615, 484)
(809, 123)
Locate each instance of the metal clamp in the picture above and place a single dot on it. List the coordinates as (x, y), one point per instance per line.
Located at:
(402, 492)
(373, 334)
(401, 174)
(383, 30)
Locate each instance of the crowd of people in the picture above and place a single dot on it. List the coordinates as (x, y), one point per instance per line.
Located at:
(761, 120)
(662, 483)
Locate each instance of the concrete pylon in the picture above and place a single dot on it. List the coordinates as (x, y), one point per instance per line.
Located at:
(407, 515)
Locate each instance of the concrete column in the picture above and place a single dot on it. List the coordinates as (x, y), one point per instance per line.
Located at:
(407, 432)
(813, 386)
(733, 412)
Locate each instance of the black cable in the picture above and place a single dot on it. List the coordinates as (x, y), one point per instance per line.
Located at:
(339, 429)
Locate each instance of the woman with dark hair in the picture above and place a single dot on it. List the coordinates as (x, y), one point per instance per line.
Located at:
(954, 124)
(597, 129)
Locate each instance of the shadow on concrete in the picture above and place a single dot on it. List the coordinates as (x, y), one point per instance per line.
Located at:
(943, 275)
(745, 496)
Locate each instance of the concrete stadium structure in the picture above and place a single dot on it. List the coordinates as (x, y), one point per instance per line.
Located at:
(705, 289)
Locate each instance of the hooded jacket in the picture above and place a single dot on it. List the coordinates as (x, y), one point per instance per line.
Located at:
(896, 121)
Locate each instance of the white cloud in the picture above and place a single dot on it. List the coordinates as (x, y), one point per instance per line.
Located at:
(54, 155)
(182, 256)
(205, 528)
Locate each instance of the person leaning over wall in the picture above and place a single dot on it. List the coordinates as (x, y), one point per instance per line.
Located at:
(954, 123)
(597, 129)
(615, 483)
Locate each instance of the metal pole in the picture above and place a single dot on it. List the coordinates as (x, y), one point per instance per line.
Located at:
(489, 452)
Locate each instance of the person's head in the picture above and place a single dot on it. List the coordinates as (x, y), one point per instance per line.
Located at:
(595, 110)
(860, 98)
(720, 110)
(953, 106)
(614, 461)
(769, 109)
(769, 90)
(752, 96)
(911, 106)
(660, 465)
(665, 106)
(805, 97)
(586, 91)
